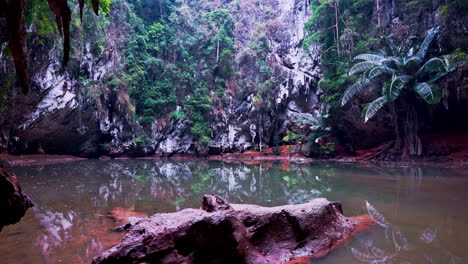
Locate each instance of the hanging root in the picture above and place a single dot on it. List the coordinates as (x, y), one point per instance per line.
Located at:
(381, 152)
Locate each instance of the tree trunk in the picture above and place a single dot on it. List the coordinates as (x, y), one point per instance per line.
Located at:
(378, 11)
(217, 52)
(396, 127)
(337, 28)
(412, 142)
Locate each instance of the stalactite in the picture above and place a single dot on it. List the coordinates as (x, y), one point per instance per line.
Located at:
(16, 32)
(81, 2)
(96, 6)
(63, 18)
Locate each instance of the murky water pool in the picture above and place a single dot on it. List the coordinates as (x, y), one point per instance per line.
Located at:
(422, 210)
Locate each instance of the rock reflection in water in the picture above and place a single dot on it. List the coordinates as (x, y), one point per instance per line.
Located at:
(69, 238)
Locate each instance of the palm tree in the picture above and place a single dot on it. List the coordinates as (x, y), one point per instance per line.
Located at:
(406, 80)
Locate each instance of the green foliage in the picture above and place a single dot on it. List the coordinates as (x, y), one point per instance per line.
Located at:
(141, 140)
(408, 76)
(142, 177)
(327, 147)
(178, 114)
(176, 61)
(104, 6)
(351, 18)
(292, 136)
(198, 108)
(204, 184)
(37, 13)
(458, 56)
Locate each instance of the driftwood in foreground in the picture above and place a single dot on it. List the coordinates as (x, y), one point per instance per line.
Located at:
(219, 232)
(13, 203)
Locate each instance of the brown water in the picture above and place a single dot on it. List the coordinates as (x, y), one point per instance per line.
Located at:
(422, 210)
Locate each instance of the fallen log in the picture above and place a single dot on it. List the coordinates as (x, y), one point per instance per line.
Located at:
(220, 232)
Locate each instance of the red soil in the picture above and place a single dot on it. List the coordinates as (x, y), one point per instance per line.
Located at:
(38, 159)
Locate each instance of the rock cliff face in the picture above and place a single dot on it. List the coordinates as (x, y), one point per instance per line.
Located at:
(62, 116)
(242, 124)
(240, 121)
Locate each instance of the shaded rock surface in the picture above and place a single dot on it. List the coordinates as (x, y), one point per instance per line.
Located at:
(235, 233)
(13, 202)
(62, 116)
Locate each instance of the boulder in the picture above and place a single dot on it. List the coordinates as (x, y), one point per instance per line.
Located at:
(13, 203)
(220, 232)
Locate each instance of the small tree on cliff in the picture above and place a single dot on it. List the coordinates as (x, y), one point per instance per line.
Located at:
(407, 79)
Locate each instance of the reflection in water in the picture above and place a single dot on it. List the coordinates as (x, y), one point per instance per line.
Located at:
(80, 204)
(426, 249)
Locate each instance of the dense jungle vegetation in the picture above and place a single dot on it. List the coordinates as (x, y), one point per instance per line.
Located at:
(181, 64)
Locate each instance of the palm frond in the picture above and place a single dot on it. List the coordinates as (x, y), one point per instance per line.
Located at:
(371, 57)
(396, 51)
(413, 59)
(394, 88)
(379, 70)
(431, 33)
(429, 92)
(436, 68)
(433, 65)
(373, 107)
(363, 66)
(437, 77)
(354, 89)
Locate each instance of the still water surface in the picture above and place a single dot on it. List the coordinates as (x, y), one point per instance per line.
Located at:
(423, 211)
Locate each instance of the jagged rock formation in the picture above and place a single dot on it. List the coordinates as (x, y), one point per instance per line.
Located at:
(16, 32)
(234, 233)
(242, 124)
(60, 117)
(63, 116)
(13, 202)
